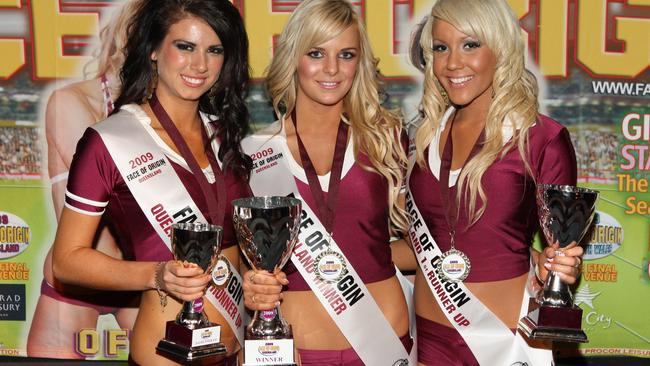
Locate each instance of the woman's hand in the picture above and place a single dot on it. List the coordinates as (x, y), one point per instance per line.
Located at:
(181, 279)
(567, 262)
(263, 290)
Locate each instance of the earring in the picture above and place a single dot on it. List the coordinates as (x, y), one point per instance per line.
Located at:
(443, 93)
(153, 81)
(445, 96)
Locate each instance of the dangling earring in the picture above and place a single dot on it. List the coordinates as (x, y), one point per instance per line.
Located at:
(153, 81)
(445, 96)
(443, 93)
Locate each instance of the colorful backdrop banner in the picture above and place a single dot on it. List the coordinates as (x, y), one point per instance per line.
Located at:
(592, 58)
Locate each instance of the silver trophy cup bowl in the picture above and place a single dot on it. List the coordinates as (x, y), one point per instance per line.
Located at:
(200, 244)
(565, 214)
(267, 230)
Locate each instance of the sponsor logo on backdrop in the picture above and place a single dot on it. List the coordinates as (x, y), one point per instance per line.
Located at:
(12, 302)
(8, 351)
(14, 235)
(606, 237)
(109, 342)
(14, 271)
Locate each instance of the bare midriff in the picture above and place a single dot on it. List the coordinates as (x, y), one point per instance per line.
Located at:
(503, 298)
(314, 329)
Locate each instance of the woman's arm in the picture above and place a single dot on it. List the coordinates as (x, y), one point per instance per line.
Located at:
(557, 165)
(76, 262)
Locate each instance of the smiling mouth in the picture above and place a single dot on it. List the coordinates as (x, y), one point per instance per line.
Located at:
(329, 84)
(458, 82)
(195, 82)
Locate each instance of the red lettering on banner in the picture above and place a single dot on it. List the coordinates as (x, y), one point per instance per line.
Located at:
(461, 320)
(226, 302)
(162, 217)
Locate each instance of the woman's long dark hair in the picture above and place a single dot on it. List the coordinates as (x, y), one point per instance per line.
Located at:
(146, 32)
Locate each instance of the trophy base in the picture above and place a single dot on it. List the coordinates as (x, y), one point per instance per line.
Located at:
(552, 323)
(186, 344)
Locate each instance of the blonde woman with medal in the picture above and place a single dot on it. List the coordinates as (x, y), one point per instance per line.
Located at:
(339, 151)
(480, 149)
(170, 152)
(62, 311)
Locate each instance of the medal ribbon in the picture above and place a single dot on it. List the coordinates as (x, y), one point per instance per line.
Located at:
(326, 211)
(450, 205)
(216, 204)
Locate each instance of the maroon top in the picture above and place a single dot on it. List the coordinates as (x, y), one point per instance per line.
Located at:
(498, 244)
(94, 176)
(361, 225)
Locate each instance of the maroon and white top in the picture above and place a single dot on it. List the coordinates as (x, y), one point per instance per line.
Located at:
(498, 244)
(95, 185)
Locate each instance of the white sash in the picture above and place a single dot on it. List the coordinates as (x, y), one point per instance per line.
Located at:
(490, 340)
(162, 197)
(348, 302)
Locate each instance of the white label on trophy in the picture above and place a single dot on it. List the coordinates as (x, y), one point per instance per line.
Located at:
(454, 265)
(330, 266)
(221, 273)
(268, 352)
(204, 336)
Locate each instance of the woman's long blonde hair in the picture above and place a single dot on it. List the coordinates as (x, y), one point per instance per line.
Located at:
(514, 96)
(376, 131)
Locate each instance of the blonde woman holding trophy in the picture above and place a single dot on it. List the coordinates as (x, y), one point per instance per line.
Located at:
(336, 148)
(481, 148)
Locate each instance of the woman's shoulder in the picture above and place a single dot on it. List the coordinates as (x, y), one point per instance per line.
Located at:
(128, 112)
(546, 129)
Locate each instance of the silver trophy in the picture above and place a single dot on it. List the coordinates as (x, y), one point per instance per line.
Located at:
(565, 214)
(267, 230)
(192, 336)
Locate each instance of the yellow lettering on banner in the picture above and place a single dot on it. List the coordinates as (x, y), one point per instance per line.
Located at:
(262, 24)
(379, 16)
(12, 50)
(635, 32)
(87, 342)
(50, 26)
(116, 339)
(553, 37)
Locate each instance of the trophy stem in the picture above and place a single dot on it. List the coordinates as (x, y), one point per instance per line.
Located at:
(555, 293)
(268, 324)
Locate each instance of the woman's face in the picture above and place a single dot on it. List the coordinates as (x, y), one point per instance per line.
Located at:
(189, 60)
(326, 72)
(464, 67)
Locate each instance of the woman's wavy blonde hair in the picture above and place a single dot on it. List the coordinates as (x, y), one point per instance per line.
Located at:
(515, 89)
(376, 130)
(109, 55)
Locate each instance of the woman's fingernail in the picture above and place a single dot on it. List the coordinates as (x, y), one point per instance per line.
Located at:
(549, 260)
(277, 303)
(547, 265)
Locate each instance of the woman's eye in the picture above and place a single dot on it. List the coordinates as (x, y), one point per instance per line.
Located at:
(347, 55)
(439, 48)
(218, 50)
(315, 54)
(184, 47)
(472, 44)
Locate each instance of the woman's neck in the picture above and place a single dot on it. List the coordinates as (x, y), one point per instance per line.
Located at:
(183, 113)
(473, 113)
(316, 118)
